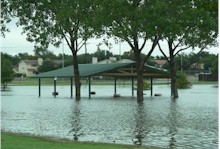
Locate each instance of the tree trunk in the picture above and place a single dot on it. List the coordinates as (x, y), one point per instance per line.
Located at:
(4, 86)
(77, 76)
(139, 68)
(174, 92)
(140, 95)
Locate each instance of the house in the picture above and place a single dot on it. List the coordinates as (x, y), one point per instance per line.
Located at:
(197, 66)
(28, 67)
(94, 60)
(160, 63)
(105, 61)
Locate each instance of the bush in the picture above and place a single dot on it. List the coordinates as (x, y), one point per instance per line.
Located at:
(182, 82)
(146, 85)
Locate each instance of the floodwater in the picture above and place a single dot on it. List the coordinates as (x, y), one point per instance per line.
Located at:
(191, 121)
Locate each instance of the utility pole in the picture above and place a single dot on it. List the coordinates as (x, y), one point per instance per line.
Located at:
(85, 52)
(63, 54)
(119, 49)
(181, 56)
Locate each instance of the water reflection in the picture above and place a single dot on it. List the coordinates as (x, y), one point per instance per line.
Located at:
(140, 128)
(76, 121)
(187, 122)
(172, 118)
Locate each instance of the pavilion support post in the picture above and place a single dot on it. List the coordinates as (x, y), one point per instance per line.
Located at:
(55, 85)
(39, 87)
(151, 87)
(89, 87)
(71, 87)
(132, 86)
(115, 85)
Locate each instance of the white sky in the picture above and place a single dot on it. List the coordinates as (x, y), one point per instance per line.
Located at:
(15, 43)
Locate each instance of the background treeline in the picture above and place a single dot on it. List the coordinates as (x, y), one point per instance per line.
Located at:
(210, 61)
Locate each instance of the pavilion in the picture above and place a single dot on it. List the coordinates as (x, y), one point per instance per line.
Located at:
(119, 69)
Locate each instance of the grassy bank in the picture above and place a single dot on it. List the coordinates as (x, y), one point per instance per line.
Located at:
(14, 141)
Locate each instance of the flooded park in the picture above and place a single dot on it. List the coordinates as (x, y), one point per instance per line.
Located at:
(138, 51)
(191, 121)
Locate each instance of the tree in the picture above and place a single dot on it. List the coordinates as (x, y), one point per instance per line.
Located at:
(25, 56)
(5, 17)
(102, 54)
(14, 60)
(210, 62)
(48, 65)
(44, 53)
(187, 25)
(215, 68)
(127, 55)
(48, 22)
(132, 21)
(7, 74)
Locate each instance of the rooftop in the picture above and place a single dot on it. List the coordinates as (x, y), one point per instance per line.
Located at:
(118, 69)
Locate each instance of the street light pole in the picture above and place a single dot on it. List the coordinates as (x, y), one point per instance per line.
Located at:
(181, 63)
(63, 54)
(119, 50)
(85, 52)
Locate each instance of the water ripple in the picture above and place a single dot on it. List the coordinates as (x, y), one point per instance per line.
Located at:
(187, 122)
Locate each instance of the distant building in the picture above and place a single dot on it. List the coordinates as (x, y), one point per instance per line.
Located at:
(106, 61)
(30, 67)
(94, 60)
(205, 77)
(160, 63)
(124, 61)
(198, 66)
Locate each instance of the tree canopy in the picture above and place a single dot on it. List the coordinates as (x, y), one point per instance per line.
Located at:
(7, 74)
(132, 21)
(187, 25)
(48, 22)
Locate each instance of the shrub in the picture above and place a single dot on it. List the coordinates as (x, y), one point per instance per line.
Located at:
(146, 85)
(182, 82)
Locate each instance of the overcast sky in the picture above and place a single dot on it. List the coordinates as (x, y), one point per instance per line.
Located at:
(15, 43)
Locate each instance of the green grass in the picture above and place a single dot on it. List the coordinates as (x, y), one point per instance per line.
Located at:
(14, 141)
(206, 82)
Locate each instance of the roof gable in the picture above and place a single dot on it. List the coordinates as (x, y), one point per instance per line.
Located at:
(161, 62)
(31, 62)
(84, 69)
(110, 69)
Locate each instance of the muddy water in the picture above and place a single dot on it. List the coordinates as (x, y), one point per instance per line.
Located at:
(191, 121)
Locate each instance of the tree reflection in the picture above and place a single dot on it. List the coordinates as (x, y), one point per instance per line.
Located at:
(76, 121)
(140, 129)
(172, 118)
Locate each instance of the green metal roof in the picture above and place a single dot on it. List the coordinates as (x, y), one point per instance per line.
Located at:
(87, 70)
